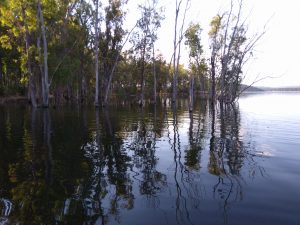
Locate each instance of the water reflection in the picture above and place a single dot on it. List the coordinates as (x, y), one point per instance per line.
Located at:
(88, 166)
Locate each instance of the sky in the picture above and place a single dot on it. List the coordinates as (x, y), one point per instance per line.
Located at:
(276, 55)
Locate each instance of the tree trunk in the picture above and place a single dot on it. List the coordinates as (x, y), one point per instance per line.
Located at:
(213, 79)
(45, 80)
(154, 77)
(82, 85)
(31, 88)
(174, 93)
(143, 76)
(114, 68)
(97, 55)
(191, 94)
(142, 83)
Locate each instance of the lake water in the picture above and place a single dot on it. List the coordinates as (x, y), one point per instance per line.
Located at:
(124, 165)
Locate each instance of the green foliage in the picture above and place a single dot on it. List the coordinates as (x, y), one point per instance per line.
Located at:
(70, 36)
(193, 40)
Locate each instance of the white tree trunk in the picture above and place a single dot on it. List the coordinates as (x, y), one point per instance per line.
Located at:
(154, 76)
(97, 55)
(45, 83)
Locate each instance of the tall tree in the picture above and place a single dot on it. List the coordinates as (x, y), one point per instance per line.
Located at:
(156, 17)
(193, 41)
(17, 17)
(178, 36)
(231, 48)
(96, 51)
(45, 78)
(215, 47)
(145, 38)
(113, 40)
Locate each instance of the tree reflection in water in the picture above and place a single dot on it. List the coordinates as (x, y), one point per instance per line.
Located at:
(142, 143)
(109, 186)
(228, 155)
(93, 166)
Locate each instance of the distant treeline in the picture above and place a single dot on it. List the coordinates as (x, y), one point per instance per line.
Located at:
(280, 89)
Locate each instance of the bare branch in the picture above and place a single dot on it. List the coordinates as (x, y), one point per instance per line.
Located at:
(258, 80)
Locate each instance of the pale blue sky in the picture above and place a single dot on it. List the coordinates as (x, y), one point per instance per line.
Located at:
(278, 52)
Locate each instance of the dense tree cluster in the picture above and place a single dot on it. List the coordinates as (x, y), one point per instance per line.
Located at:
(73, 50)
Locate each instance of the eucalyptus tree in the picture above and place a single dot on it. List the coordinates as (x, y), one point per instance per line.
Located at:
(45, 77)
(178, 36)
(144, 39)
(9, 64)
(108, 42)
(112, 42)
(156, 17)
(193, 41)
(96, 49)
(83, 16)
(70, 48)
(18, 17)
(214, 35)
(232, 47)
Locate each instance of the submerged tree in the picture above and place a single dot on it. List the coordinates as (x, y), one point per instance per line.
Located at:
(144, 39)
(96, 52)
(178, 36)
(193, 41)
(45, 77)
(112, 42)
(231, 48)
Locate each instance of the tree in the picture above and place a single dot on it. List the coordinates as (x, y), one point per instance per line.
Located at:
(178, 36)
(144, 39)
(215, 47)
(157, 17)
(96, 51)
(112, 42)
(231, 49)
(45, 79)
(193, 41)
(17, 17)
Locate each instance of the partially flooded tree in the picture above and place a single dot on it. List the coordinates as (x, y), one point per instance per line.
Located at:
(20, 26)
(96, 50)
(145, 37)
(111, 43)
(178, 36)
(193, 41)
(157, 17)
(45, 79)
(215, 47)
(231, 47)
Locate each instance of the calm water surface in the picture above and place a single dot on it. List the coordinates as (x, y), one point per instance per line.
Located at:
(128, 166)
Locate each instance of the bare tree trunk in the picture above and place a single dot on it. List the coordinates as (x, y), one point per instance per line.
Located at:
(176, 58)
(154, 76)
(31, 87)
(97, 55)
(191, 94)
(41, 81)
(114, 68)
(175, 75)
(213, 79)
(143, 75)
(142, 81)
(45, 83)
